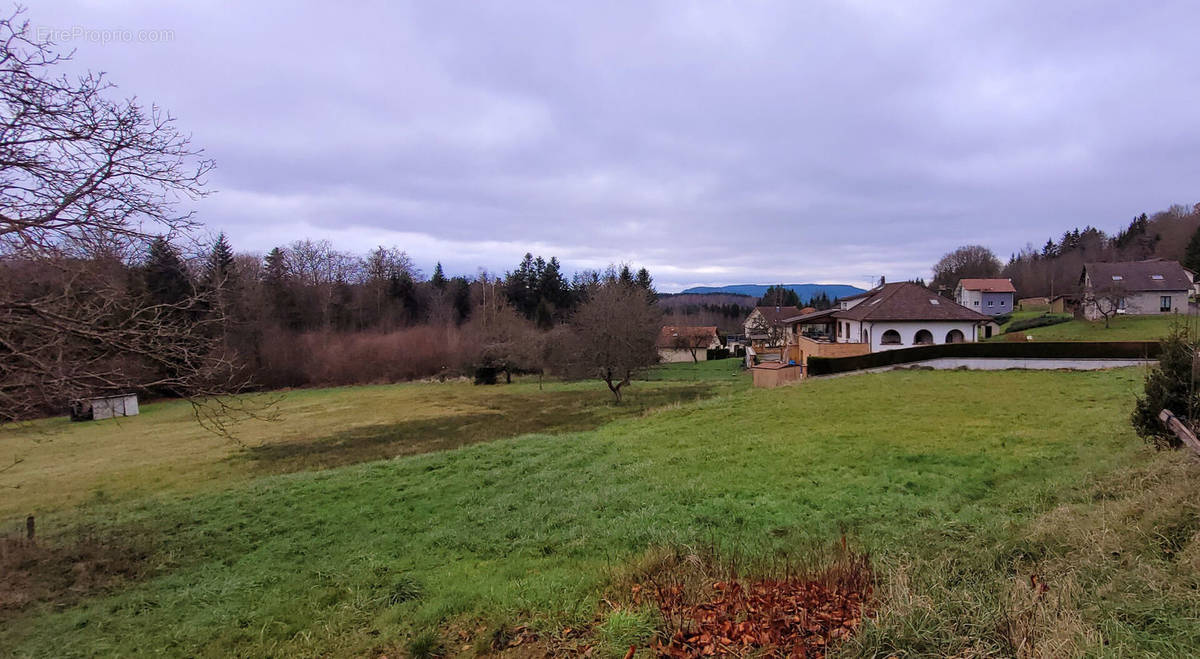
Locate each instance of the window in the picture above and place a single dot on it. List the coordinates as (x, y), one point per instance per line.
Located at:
(1117, 277)
(991, 303)
(955, 336)
(1156, 276)
(1164, 303)
(934, 302)
(923, 338)
(1121, 304)
(976, 302)
(890, 338)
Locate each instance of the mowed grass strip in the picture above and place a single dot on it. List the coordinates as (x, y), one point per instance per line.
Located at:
(947, 478)
(63, 464)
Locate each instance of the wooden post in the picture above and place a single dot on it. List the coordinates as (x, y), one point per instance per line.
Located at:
(1180, 429)
(29, 528)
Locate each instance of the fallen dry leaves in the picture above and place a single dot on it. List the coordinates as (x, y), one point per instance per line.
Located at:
(791, 617)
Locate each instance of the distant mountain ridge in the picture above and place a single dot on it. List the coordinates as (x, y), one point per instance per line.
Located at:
(804, 291)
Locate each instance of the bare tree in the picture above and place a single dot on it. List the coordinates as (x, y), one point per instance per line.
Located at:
(1106, 298)
(964, 262)
(774, 334)
(84, 177)
(504, 340)
(611, 336)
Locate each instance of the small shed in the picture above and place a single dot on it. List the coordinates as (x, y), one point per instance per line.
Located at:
(775, 374)
(104, 407)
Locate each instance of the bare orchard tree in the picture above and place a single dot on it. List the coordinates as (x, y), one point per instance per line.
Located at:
(774, 334)
(82, 177)
(611, 336)
(1106, 298)
(690, 341)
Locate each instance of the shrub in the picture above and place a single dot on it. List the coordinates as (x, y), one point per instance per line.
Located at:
(339, 358)
(1043, 320)
(1002, 318)
(1169, 385)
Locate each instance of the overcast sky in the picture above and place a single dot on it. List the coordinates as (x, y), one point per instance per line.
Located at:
(713, 142)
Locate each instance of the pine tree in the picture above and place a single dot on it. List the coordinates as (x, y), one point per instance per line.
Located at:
(218, 267)
(438, 280)
(167, 279)
(1191, 258)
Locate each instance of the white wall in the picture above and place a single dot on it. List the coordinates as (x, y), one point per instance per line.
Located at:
(670, 355)
(908, 331)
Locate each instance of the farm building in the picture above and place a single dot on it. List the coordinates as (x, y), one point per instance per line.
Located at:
(104, 407)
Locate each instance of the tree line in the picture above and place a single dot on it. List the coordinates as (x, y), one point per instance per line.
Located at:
(1055, 267)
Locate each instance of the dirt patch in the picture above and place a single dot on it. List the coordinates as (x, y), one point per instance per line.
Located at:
(36, 571)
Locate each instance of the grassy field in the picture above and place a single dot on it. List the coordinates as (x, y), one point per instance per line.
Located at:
(63, 464)
(1006, 513)
(1121, 328)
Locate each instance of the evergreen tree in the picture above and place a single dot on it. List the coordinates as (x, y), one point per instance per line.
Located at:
(779, 296)
(218, 267)
(1169, 385)
(460, 298)
(1191, 258)
(167, 279)
(625, 277)
(439, 277)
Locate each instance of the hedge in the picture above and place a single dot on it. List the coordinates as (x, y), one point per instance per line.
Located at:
(1043, 320)
(1011, 350)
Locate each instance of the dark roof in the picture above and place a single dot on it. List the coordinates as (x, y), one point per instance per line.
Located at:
(1151, 275)
(908, 301)
(776, 315)
(808, 317)
(988, 285)
(697, 337)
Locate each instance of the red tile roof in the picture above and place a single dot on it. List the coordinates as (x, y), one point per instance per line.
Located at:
(671, 336)
(988, 285)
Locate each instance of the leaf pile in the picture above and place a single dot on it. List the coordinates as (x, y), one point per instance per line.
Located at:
(772, 617)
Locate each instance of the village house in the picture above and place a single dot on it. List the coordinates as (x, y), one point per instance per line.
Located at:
(989, 296)
(1155, 286)
(888, 317)
(686, 344)
(764, 327)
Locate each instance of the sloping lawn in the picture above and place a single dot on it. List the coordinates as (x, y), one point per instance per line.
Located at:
(1121, 328)
(63, 464)
(1006, 513)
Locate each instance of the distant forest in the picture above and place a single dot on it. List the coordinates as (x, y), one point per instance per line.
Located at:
(1054, 268)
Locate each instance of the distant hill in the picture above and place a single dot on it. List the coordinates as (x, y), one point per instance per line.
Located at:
(805, 291)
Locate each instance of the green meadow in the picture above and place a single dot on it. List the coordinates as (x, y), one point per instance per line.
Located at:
(1005, 513)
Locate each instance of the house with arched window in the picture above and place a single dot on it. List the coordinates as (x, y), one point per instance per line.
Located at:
(888, 317)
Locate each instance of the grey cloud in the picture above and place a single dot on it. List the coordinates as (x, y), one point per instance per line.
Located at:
(713, 142)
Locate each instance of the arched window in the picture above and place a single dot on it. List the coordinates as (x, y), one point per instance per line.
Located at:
(923, 338)
(890, 338)
(954, 336)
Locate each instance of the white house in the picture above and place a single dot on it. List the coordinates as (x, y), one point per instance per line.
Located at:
(903, 315)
